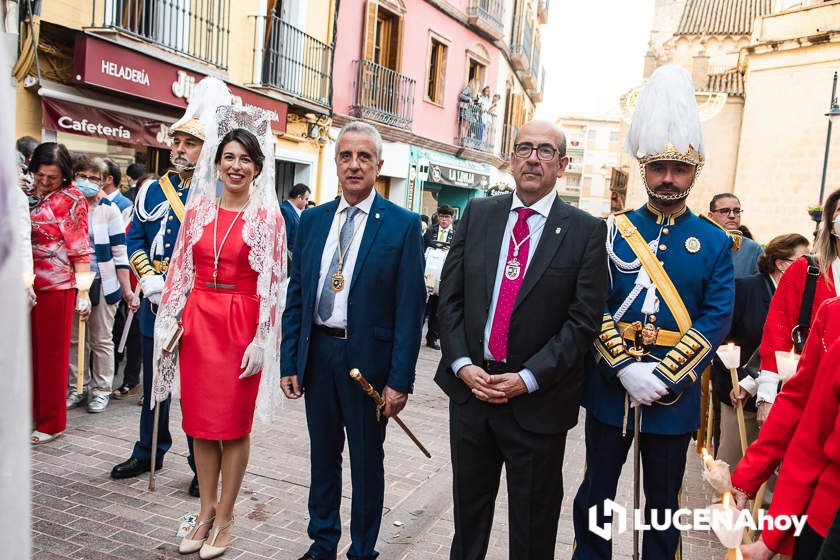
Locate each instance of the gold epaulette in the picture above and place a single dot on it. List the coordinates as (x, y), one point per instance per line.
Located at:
(609, 343)
(736, 238)
(139, 261)
(684, 357)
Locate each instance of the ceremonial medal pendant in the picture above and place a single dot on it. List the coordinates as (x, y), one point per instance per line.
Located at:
(512, 269)
(692, 245)
(337, 282)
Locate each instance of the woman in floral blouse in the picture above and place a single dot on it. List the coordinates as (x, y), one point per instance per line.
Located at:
(60, 249)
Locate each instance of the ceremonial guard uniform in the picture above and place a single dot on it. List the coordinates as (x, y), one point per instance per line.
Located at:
(158, 212)
(669, 306)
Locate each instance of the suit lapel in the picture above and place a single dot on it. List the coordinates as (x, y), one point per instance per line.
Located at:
(494, 235)
(374, 222)
(550, 240)
(321, 232)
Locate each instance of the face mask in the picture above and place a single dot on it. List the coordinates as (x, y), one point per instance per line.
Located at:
(836, 226)
(87, 188)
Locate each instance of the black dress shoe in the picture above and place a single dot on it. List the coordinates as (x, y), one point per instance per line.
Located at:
(194, 488)
(433, 344)
(308, 556)
(130, 468)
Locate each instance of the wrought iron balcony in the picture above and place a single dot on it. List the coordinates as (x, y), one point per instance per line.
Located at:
(383, 95)
(476, 128)
(529, 77)
(488, 16)
(297, 63)
(196, 29)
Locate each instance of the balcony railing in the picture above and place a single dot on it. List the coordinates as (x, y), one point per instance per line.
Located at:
(488, 16)
(297, 63)
(476, 128)
(383, 95)
(509, 132)
(197, 28)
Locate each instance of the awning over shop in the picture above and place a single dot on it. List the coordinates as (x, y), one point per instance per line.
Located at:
(75, 118)
(452, 171)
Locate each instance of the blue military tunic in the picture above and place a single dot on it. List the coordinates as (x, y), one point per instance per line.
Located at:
(151, 238)
(695, 254)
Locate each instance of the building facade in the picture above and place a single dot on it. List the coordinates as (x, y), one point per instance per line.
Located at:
(594, 147)
(426, 74)
(774, 60)
(111, 76)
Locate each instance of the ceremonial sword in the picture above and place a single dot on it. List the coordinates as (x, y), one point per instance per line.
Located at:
(128, 319)
(380, 404)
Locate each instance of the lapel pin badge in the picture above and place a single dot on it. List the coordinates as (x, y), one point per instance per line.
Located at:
(376, 216)
(557, 230)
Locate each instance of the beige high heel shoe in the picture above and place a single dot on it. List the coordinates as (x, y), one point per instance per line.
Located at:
(210, 550)
(188, 545)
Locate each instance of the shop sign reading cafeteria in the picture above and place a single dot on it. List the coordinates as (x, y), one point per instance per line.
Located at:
(106, 65)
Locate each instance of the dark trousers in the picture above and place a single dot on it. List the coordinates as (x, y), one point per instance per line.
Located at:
(143, 446)
(133, 354)
(431, 315)
(483, 437)
(663, 466)
(807, 544)
(830, 549)
(335, 402)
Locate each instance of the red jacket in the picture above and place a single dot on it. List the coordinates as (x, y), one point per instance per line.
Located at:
(783, 314)
(765, 454)
(810, 479)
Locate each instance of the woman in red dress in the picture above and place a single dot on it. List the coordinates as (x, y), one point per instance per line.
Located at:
(223, 292)
(61, 248)
(809, 483)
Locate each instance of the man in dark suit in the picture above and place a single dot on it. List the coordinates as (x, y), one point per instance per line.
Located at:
(521, 297)
(437, 236)
(291, 209)
(355, 300)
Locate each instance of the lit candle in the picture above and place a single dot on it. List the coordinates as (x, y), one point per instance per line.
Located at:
(786, 363)
(730, 355)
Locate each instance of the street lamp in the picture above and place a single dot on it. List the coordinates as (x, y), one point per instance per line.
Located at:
(833, 113)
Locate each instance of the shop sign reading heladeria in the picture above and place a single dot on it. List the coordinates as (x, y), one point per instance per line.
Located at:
(106, 65)
(74, 118)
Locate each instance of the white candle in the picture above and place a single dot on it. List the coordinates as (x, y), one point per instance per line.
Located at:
(730, 355)
(708, 460)
(786, 363)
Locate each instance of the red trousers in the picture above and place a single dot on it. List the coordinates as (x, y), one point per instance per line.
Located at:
(52, 320)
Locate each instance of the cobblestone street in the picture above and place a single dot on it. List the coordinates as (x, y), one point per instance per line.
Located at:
(80, 513)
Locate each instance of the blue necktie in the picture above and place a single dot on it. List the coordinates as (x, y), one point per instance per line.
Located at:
(327, 301)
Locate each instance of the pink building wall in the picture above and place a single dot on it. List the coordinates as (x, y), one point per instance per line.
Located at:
(430, 120)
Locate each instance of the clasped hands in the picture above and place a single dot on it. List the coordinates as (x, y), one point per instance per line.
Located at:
(494, 389)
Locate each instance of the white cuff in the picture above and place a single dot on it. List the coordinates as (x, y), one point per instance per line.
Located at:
(530, 381)
(768, 386)
(749, 384)
(459, 363)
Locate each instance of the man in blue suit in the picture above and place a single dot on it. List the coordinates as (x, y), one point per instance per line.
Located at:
(355, 300)
(291, 209)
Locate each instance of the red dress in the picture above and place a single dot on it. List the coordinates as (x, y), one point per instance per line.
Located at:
(219, 324)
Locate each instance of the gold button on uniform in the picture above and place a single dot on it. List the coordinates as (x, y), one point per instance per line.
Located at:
(168, 231)
(168, 245)
(666, 231)
(663, 247)
(170, 218)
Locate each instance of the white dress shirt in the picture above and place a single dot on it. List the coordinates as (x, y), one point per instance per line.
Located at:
(536, 223)
(338, 319)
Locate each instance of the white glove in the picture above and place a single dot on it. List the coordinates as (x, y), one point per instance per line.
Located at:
(252, 360)
(152, 286)
(768, 386)
(83, 304)
(641, 383)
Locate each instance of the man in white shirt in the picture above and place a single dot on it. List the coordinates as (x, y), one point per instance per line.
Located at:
(355, 300)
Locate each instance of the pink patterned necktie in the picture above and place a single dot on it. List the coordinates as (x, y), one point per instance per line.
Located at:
(498, 342)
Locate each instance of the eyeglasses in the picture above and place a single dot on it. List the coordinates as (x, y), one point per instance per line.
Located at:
(91, 178)
(727, 211)
(545, 152)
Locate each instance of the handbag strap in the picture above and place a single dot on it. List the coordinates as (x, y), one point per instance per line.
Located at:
(800, 331)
